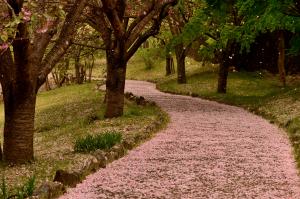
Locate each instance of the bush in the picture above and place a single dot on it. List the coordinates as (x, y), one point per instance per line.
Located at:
(103, 141)
(150, 56)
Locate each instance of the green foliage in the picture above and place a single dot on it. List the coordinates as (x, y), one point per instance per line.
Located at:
(237, 20)
(150, 55)
(3, 193)
(295, 43)
(21, 192)
(149, 63)
(294, 133)
(103, 141)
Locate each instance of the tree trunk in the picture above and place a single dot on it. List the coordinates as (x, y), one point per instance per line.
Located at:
(115, 85)
(223, 74)
(281, 57)
(47, 84)
(77, 69)
(19, 103)
(169, 64)
(180, 59)
(227, 58)
(90, 69)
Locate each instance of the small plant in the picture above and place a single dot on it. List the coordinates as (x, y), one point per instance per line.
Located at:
(103, 141)
(22, 192)
(3, 193)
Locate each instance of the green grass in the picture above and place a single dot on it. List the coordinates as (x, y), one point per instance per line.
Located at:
(62, 116)
(24, 191)
(103, 141)
(259, 92)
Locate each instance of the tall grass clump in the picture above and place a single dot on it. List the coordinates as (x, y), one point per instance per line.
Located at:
(102, 141)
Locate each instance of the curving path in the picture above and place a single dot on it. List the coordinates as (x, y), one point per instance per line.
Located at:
(209, 150)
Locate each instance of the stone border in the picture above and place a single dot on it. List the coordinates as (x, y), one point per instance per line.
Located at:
(99, 158)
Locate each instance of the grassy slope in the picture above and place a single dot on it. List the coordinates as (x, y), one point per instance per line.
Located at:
(258, 92)
(64, 114)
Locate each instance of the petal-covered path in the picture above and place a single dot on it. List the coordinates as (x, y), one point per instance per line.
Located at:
(208, 150)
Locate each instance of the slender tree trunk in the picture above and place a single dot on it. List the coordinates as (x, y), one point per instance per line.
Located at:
(169, 64)
(19, 103)
(90, 69)
(223, 74)
(77, 71)
(78, 68)
(180, 59)
(47, 84)
(115, 85)
(281, 57)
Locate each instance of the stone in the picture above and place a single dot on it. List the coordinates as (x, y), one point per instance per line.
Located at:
(128, 95)
(67, 178)
(111, 156)
(100, 156)
(119, 149)
(140, 101)
(49, 190)
(90, 165)
(128, 143)
(195, 95)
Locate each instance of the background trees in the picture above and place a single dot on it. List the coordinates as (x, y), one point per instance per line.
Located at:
(231, 28)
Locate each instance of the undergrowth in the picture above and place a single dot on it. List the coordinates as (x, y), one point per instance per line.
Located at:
(20, 192)
(103, 141)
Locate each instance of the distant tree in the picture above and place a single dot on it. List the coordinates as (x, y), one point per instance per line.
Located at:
(177, 19)
(124, 26)
(216, 21)
(270, 15)
(26, 58)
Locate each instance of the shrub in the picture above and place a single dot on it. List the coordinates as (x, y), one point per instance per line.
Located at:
(103, 141)
(149, 63)
(150, 56)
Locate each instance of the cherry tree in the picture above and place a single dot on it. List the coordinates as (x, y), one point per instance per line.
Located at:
(124, 26)
(27, 56)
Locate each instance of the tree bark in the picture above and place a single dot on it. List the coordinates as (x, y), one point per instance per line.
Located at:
(22, 74)
(19, 103)
(169, 64)
(78, 68)
(115, 85)
(281, 57)
(47, 84)
(223, 74)
(180, 60)
(227, 58)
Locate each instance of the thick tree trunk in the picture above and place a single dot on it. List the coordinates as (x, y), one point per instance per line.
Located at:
(223, 74)
(180, 60)
(115, 85)
(19, 103)
(281, 57)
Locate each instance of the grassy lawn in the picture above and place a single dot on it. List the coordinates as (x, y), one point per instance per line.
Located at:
(67, 113)
(259, 92)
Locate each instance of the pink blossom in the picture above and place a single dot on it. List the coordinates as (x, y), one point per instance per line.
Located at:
(4, 46)
(26, 14)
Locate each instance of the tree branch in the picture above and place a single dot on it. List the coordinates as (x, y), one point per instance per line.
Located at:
(63, 43)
